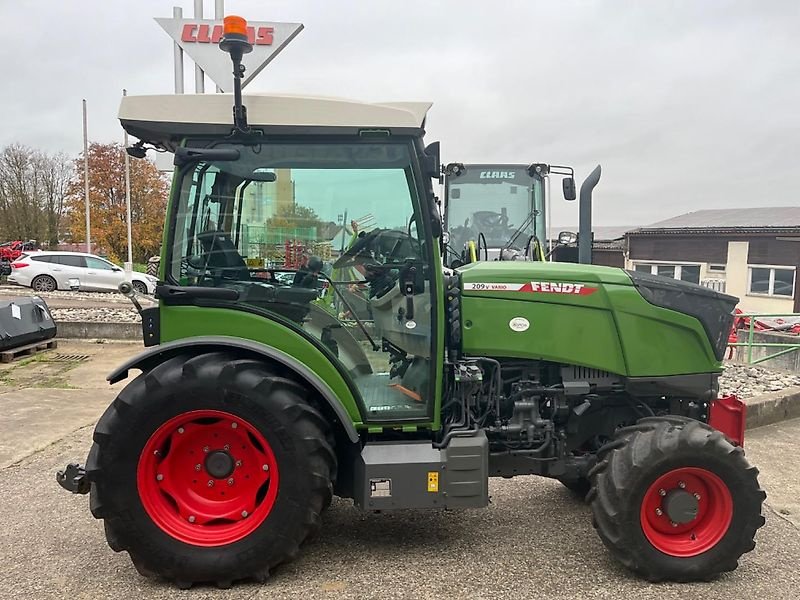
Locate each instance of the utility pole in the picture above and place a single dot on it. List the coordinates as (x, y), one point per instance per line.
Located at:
(129, 264)
(86, 177)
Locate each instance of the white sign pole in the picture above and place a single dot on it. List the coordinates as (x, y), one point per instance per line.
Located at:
(86, 177)
(129, 264)
(177, 13)
(199, 78)
(219, 15)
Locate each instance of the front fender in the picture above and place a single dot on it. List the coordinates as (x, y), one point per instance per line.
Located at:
(152, 356)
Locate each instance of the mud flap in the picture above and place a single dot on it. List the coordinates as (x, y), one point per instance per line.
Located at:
(728, 415)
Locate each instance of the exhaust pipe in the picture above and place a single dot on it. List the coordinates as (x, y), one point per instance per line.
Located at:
(585, 220)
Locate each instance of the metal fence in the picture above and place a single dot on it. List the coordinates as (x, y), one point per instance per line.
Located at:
(750, 343)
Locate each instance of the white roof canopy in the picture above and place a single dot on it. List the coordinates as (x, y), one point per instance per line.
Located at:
(168, 117)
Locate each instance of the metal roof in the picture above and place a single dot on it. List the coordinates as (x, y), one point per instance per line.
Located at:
(778, 217)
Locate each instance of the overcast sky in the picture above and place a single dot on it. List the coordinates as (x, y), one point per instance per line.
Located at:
(686, 105)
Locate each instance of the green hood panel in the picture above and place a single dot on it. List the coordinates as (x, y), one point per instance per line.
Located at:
(519, 271)
(577, 314)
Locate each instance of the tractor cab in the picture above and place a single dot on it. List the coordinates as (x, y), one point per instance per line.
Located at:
(317, 218)
(498, 211)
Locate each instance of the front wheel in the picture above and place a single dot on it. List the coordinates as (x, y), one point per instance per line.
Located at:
(140, 288)
(673, 499)
(210, 468)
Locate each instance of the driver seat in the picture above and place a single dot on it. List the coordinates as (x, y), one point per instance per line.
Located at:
(222, 254)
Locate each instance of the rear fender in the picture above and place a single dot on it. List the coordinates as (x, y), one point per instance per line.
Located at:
(157, 354)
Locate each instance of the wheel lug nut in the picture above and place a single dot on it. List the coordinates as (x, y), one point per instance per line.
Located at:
(696, 496)
(662, 492)
(265, 467)
(230, 481)
(210, 483)
(156, 453)
(234, 425)
(180, 429)
(681, 485)
(197, 467)
(191, 518)
(205, 449)
(244, 514)
(159, 477)
(659, 512)
(238, 463)
(226, 447)
(673, 523)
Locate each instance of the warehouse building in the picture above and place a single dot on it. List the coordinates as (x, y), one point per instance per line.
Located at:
(752, 253)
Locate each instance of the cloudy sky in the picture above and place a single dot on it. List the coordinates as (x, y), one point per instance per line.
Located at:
(686, 105)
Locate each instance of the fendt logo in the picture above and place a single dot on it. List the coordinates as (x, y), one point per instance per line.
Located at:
(203, 33)
(498, 174)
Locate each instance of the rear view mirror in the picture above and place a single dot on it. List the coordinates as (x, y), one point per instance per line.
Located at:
(433, 161)
(568, 185)
(567, 238)
(263, 175)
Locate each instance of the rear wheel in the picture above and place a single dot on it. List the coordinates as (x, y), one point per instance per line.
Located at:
(673, 499)
(210, 468)
(44, 283)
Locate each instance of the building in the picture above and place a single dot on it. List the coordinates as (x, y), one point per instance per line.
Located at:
(752, 253)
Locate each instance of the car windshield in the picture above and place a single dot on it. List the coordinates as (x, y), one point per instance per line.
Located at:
(319, 235)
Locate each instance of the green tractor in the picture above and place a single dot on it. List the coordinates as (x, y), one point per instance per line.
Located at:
(261, 397)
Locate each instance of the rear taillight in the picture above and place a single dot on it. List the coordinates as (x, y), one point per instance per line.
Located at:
(19, 265)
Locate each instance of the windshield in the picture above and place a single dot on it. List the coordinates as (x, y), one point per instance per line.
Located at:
(495, 201)
(320, 235)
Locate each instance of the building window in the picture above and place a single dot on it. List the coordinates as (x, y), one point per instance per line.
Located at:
(716, 269)
(771, 281)
(690, 273)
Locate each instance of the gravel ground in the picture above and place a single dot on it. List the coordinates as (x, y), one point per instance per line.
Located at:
(123, 314)
(114, 297)
(746, 381)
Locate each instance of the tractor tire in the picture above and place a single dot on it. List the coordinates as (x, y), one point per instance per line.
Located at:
(44, 283)
(580, 486)
(674, 500)
(140, 288)
(188, 461)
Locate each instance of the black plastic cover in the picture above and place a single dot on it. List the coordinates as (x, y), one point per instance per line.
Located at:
(24, 320)
(713, 309)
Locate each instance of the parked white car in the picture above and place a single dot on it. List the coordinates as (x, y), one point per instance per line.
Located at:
(49, 271)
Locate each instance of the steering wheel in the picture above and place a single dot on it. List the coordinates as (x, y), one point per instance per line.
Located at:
(361, 244)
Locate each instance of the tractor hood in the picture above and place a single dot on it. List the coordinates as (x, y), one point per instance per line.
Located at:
(639, 310)
(534, 277)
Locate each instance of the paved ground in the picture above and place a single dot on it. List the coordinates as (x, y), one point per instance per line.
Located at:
(534, 540)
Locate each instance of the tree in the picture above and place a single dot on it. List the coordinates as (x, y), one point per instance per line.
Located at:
(149, 191)
(33, 187)
(294, 216)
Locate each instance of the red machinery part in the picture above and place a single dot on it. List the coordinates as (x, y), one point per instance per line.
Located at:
(183, 495)
(728, 415)
(714, 511)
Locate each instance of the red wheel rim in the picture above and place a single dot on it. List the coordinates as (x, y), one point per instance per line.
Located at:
(713, 517)
(207, 478)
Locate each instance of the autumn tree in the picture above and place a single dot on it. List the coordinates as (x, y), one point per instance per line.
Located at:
(149, 190)
(33, 189)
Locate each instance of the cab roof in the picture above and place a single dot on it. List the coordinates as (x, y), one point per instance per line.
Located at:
(167, 119)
